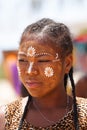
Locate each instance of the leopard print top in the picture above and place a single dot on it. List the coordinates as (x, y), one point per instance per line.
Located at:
(14, 112)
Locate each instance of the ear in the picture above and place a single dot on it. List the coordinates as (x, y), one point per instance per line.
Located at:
(68, 63)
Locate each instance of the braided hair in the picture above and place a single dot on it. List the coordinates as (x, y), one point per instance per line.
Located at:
(25, 112)
(57, 33)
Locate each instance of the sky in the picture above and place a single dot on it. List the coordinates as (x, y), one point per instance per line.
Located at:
(15, 15)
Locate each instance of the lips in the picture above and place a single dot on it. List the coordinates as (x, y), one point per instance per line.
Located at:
(33, 84)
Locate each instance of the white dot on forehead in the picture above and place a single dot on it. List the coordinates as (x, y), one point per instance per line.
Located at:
(42, 54)
(31, 51)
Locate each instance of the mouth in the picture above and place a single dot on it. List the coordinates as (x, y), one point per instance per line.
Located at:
(33, 84)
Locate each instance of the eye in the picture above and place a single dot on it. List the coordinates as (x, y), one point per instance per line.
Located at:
(44, 61)
(22, 60)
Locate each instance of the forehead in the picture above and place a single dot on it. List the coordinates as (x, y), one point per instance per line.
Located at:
(38, 46)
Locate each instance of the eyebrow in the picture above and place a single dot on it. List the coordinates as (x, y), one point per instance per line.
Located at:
(22, 53)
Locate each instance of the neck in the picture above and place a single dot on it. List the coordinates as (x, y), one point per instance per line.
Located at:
(53, 101)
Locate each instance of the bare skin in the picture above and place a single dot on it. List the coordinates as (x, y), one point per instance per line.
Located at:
(52, 111)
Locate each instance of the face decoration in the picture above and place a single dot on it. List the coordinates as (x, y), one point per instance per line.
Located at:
(57, 56)
(31, 51)
(30, 67)
(48, 72)
(19, 72)
(42, 54)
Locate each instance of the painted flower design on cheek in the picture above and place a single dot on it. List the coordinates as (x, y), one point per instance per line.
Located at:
(31, 51)
(48, 72)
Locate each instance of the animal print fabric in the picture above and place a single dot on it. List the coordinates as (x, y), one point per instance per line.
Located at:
(14, 113)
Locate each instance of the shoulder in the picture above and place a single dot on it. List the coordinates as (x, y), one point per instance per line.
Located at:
(16, 105)
(12, 112)
(82, 102)
(2, 117)
(82, 111)
(13, 109)
(8, 112)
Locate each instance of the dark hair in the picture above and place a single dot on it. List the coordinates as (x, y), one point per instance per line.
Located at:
(58, 34)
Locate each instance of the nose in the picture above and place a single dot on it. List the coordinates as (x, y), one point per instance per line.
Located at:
(32, 69)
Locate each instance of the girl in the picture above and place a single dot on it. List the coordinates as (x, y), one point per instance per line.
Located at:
(44, 65)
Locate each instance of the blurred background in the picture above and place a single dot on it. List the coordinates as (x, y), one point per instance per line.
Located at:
(15, 15)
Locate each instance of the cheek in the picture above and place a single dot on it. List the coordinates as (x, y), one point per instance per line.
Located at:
(48, 72)
(19, 72)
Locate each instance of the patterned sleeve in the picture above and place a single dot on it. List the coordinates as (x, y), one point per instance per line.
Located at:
(82, 112)
(12, 115)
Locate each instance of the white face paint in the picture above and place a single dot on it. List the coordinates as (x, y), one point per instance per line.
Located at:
(48, 72)
(56, 58)
(18, 69)
(30, 67)
(22, 53)
(31, 51)
(19, 72)
(42, 54)
(57, 55)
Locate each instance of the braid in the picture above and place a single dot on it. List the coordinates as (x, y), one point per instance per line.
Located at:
(25, 112)
(48, 30)
(65, 80)
(74, 99)
(35, 28)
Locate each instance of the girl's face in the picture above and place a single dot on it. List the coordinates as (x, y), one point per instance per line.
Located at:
(40, 68)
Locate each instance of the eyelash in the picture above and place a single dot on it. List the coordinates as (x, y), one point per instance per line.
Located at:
(44, 60)
(21, 60)
(39, 61)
